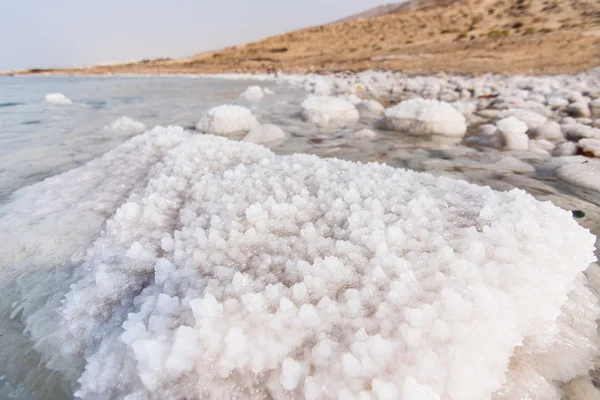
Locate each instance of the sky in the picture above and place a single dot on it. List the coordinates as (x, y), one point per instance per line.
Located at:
(69, 33)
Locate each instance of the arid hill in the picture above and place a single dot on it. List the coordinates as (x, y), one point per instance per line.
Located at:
(456, 36)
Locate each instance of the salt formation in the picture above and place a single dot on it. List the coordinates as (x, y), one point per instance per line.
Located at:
(58, 98)
(365, 134)
(584, 176)
(590, 147)
(327, 111)
(425, 117)
(267, 133)
(125, 126)
(230, 272)
(253, 93)
(227, 119)
(370, 108)
(513, 132)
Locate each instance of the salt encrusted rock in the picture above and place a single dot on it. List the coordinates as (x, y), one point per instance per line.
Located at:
(365, 134)
(576, 132)
(229, 271)
(550, 130)
(425, 117)
(565, 149)
(542, 145)
(513, 131)
(227, 119)
(125, 126)
(595, 108)
(530, 118)
(557, 102)
(328, 111)
(253, 93)
(487, 130)
(370, 108)
(590, 147)
(579, 109)
(58, 99)
(267, 133)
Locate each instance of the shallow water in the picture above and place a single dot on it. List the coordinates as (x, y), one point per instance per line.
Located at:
(39, 140)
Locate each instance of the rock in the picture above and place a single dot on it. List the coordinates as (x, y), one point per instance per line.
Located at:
(227, 119)
(253, 93)
(58, 99)
(550, 130)
(557, 103)
(487, 130)
(326, 111)
(578, 109)
(589, 147)
(370, 108)
(595, 108)
(565, 149)
(541, 144)
(267, 133)
(513, 132)
(530, 118)
(425, 117)
(365, 134)
(125, 126)
(575, 132)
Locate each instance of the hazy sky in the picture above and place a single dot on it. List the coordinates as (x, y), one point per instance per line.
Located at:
(60, 33)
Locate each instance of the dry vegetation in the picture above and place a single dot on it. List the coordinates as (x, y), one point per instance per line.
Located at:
(460, 36)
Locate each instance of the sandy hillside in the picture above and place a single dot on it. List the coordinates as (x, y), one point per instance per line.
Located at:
(465, 36)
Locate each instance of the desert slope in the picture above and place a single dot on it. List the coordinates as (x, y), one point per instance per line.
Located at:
(464, 36)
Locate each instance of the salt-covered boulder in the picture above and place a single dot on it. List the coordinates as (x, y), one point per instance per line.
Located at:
(530, 118)
(589, 147)
(565, 149)
(542, 146)
(577, 131)
(579, 109)
(370, 108)
(595, 108)
(487, 130)
(557, 102)
(513, 132)
(125, 126)
(425, 117)
(58, 99)
(550, 130)
(227, 119)
(365, 134)
(326, 111)
(226, 271)
(267, 133)
(253, 93)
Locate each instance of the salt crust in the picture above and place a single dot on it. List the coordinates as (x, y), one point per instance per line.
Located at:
(223, 270)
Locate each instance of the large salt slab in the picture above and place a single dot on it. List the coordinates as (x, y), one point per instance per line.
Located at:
(326, 111)
(225, 271)
(425, 117)
(125, 126)
(584, 176)
(58, 99)
(227, 119)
